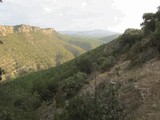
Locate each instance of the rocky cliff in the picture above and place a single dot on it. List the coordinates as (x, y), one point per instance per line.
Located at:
(5, 30)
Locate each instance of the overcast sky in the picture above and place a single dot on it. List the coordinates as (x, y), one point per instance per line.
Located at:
(115, 15)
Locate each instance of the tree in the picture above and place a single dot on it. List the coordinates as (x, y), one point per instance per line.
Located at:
(158, 13)
(158, 8)
(150, 21)
(84, 64)
(1, 73)
(59, 57)
(83, 107)
(1, 42)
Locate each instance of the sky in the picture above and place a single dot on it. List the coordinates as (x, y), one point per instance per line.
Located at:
(63, 15)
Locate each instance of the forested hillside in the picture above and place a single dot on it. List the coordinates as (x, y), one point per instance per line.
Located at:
(26, 49)
(116, 81)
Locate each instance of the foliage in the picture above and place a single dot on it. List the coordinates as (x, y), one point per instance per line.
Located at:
(84, 64)
(73, 84)
(84, 107)
(1, 42)
(107, 63)
(46, 89)
(1, 73)
(109, 38)
(27, 102)
(150, 22)
(21, 98)
(22, 53)
(86, 43)
(157, 30)
(131, 36)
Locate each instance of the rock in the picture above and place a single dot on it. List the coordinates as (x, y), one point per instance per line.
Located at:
(4, 30)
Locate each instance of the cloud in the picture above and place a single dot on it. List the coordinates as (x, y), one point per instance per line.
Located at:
(84, 4)
(95, 2)
(47, 9)
(61, 14)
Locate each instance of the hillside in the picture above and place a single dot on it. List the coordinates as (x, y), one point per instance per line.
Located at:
(26, 48)
(116, 81)
(109, 38)
(86, 43)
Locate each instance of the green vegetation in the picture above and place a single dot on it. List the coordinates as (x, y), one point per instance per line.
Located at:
(73, 84)
(61, 86)
(109, 38)
(1, 73)
(87, 43)
(151, 22)
(25, 94)
(105, 106)
(107, 63)
(24, 52)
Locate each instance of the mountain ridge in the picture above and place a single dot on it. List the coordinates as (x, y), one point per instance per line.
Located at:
(90, 33)
(23, 28)
(28, 48)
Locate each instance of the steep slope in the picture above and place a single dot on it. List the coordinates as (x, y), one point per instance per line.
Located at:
(87, 43)
(116, 81)
(109, 38)
(128, 68)
(121, 66)
(26, 48)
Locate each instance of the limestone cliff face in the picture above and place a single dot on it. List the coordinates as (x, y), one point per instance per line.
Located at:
(5, 30)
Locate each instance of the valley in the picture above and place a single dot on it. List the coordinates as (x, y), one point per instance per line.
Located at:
(27, 48)
(55, 76)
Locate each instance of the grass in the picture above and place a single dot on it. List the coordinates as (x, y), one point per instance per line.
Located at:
(21, 97)
(25, 94)
(27, 52)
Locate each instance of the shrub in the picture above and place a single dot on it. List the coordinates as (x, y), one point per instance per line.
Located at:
(130, 37)
(46, 89)
(107, 63)
(84, 64)
(5, 115)
(142, 57)
(1, 73)
(157, 30)
(28, 102)
(72, 85)
(100, 60)
(86, 107)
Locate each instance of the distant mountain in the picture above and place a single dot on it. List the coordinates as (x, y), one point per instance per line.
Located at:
(86, 43)
(27, 48)
(91, 33)
(109, 38)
